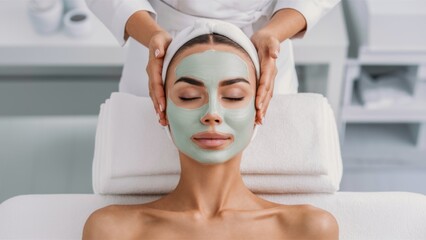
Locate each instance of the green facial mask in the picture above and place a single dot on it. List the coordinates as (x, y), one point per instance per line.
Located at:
(211, 67)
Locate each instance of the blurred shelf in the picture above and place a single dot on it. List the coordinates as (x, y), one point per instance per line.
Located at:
(376, 141)
(368, 55)
(356, 112)
(21, 45)
(383, 144)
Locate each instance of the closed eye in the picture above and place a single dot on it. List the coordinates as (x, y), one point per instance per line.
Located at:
(234, 99)
(189, 99)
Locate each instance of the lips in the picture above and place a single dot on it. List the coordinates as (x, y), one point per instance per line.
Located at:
(211, 140)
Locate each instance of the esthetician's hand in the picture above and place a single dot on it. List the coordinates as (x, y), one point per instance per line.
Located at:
(283, 25)
(157, 48)
(268, 48)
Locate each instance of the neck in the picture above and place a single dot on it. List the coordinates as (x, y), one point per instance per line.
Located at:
(211, 189)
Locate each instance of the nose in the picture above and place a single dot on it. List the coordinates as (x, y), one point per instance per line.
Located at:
(212, 116)
(211, 119)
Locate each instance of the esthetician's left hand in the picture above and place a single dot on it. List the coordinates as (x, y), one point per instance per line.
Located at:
(268, 48)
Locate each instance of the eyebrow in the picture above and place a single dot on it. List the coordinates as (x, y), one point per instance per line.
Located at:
(190, 81)
(199, 83)
(232, 81)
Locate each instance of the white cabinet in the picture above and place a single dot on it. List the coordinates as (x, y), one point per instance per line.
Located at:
(395, 131)
(383, 143)
(377, 52)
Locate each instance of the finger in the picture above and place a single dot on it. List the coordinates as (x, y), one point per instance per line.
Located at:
(273, 48)
(258, 116)
(162, 43)
(164, 121)
(260, 113)
(156, 48)
(159, 50)
(160, 110)
(269, 96)
(154, 70)
(266, 78)
(265, 108)
(154, 77)
(154, 100)
(158, 90)
(261, 91)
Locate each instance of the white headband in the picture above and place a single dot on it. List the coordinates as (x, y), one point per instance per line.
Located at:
(208, 26)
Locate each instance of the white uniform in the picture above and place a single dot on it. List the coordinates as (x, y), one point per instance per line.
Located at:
(174, 15)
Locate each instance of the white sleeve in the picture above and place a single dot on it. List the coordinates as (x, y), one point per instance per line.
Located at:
(312, 10)
(115, 13)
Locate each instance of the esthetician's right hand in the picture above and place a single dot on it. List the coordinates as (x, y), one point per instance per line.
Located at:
(158, 45)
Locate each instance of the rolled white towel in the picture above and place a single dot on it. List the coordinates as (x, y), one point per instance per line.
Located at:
(296, 150)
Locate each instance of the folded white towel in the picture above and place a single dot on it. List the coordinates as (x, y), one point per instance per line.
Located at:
(385, 91)
(296, 150)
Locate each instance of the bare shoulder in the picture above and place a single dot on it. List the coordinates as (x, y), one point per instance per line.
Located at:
(311, 222)
(110, 222)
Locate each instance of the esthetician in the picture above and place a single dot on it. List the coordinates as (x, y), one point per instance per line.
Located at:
(149, 26)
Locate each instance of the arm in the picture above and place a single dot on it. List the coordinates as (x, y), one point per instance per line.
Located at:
(114, 14)
(311, 10)
(290, 19)
(284, 24)
(137, 18)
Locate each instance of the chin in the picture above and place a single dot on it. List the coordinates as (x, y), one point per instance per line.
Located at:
(212, 160)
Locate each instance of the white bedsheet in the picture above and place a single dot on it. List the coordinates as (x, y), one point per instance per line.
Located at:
(361, 215)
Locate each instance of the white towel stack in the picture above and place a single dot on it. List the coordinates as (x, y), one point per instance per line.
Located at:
(385, 91)
(295, 151)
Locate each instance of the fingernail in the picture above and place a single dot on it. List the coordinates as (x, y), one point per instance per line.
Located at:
(157, 52)
(276, 53)
(158, 116)
(161, 108)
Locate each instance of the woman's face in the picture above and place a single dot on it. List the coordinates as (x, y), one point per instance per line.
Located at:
(210, 102)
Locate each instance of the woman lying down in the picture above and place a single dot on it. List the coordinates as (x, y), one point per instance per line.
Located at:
(210, 73)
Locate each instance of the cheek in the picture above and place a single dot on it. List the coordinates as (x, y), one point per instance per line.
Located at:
(243, 118)
(181, 119)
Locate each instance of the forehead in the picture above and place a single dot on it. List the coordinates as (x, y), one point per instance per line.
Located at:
(212, 66)
(201, 48)
(209, 46)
